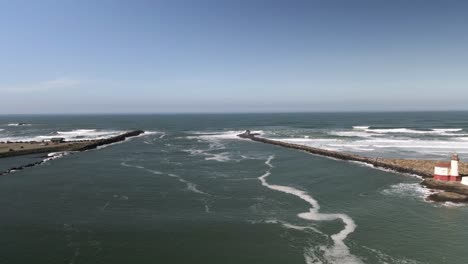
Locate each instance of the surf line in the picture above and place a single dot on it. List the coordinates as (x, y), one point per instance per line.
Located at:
(339, 251)
(376, 162)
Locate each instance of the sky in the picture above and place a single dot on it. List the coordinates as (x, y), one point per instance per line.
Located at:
(135, 56)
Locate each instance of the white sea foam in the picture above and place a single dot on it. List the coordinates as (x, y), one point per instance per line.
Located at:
(352, 134)
(448, 129)
(452, 204)
(209, 155)
(367, 131)
(87, 134)
(206, 204)
(144, 134)
(436, 131)
(414, 190)
(221, 157)
(18, 124)
(293, 226)
(56, 155)
(216, 142)
(149, 133)
(337, 253)
(231, 134)
(361, 127)
(189, 185)
(382, 145)
(73, 135)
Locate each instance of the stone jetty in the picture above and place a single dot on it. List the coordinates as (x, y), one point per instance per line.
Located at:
(454, 192)
(28, 148)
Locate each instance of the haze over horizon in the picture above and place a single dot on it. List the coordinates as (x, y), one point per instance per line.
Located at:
(232, 56)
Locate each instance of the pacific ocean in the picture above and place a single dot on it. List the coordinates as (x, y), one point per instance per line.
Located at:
(190, 191)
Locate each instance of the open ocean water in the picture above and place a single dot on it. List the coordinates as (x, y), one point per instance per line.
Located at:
(190, 191)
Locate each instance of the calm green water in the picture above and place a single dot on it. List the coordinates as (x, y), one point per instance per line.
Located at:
(189, 191)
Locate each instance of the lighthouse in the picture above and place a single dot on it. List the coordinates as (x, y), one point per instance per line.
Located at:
(454, 167)
(448, 171)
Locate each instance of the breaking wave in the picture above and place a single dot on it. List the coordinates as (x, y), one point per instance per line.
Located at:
(434, 131)
(18, 124)
(88, 134)
(415, 190)
(380, 146)
(73, 135)
(338, 252)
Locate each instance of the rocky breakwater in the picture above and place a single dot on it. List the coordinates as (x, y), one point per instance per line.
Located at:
(452, 191)
(376, 162)
(111, 140)
(75, 146)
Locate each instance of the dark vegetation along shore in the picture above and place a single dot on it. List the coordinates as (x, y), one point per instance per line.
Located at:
(12, 149)
(450, 191)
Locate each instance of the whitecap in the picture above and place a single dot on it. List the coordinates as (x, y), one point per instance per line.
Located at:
(18, 124)
(73, 135)
(56, 155)
(384, 145)
(87, 134)
(448, 129)
(385, 258)
(415, 190)
(361, 127)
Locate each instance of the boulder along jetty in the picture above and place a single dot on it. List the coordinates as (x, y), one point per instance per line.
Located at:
(11, 149)
(449, 191)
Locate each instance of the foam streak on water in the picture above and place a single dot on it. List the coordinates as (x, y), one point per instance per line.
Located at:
(189, 185)
(339, 252)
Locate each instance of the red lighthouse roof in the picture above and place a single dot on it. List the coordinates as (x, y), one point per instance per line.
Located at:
(443, 164)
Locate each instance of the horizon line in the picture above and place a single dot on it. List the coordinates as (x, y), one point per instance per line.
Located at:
(238, 112)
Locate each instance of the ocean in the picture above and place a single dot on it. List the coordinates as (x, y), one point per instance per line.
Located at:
(190, 191)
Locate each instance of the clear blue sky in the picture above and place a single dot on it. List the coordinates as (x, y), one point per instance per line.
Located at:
(232, 56)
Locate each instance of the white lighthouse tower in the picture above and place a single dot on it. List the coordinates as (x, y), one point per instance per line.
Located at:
(448, 171)
(454, 166)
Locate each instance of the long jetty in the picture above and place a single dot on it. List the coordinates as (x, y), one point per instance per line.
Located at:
(111, 140)
(376, 162)
(74, 146)
(448, 191)
(37, 147)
